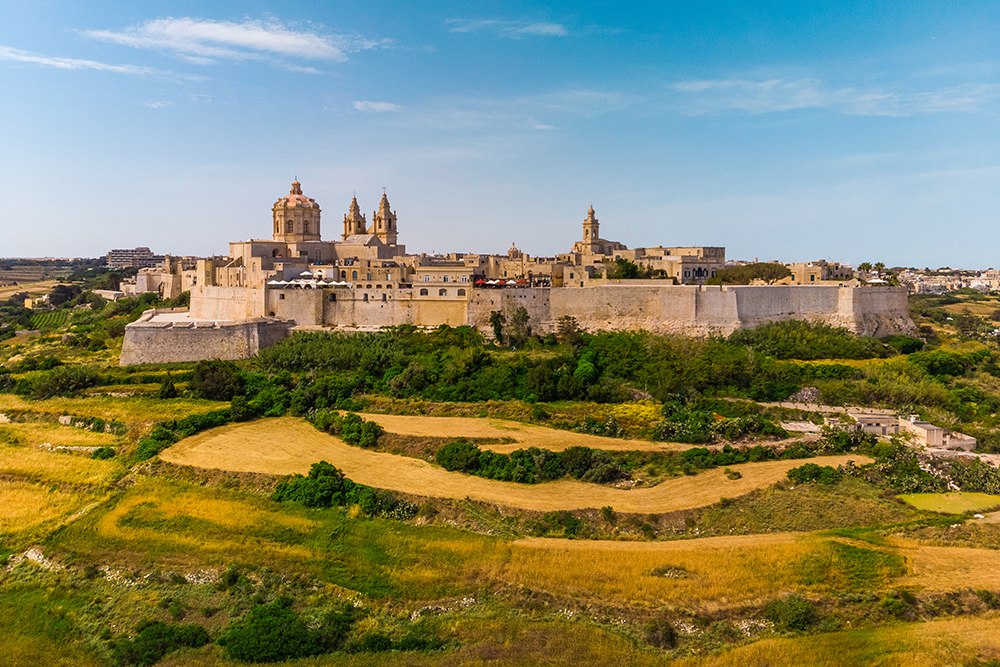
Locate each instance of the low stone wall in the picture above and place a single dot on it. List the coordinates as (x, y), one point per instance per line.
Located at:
(148, 341)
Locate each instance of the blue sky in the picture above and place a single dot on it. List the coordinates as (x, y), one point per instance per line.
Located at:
(852, 131)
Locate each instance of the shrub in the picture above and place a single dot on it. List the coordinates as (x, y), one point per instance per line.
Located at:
(811, 472)
(167, 388)
(460, 455)
(216, 380)
(270, 633)
(103, 453)
(154, 639)
(790, 613)
(660, 633)
(63, 381)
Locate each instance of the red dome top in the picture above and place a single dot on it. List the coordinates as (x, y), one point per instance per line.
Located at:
(296, 199)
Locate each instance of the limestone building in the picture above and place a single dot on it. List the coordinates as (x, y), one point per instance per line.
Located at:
(366, 280)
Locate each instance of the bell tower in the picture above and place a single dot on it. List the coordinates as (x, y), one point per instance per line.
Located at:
(296, 217)
(354, 222)
(591, 230)
(384, 222)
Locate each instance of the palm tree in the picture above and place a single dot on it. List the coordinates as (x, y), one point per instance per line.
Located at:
(879, 268)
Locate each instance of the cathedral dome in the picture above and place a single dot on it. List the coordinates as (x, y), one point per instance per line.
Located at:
(296, 199)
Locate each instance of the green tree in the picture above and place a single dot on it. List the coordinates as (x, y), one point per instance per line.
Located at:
(167, 388)
(519, 330)
(769, 272)
(497, 320)
(216, 380)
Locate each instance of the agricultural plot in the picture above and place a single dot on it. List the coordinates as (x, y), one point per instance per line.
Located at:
(951, 503)
(48, 320)
(287, 445)
(133, 410)
(525, 435)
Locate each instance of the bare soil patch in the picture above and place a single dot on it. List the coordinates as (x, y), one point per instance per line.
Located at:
(288, 445)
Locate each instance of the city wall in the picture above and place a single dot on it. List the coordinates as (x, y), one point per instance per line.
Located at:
(245, 320)
(701, 310)
(150, 342)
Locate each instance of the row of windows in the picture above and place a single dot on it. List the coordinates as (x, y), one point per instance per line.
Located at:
(423, 292)
(447, 279)
(442, 292)
(290, 227)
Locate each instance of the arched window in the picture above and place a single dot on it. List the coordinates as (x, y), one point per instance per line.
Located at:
(423, 292)
(277, 227)
(461, 292)
(343, 275)
(305, 227)
(354, 275)
(442, 292)
(289, 227)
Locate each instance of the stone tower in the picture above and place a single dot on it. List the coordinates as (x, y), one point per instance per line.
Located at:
(354, 222)
(296, 217)
(591, 230)
(384, 222)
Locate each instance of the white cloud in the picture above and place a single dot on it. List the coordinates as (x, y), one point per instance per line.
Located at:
(376, 107)
(205, 41)
(16, 55)
(772, 95)
(156, 105)
(511, 29)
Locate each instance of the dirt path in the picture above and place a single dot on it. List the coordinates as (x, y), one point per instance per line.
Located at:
(527, 435)
(288, 445)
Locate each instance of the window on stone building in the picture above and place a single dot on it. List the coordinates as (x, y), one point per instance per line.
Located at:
(333, 297)
(365, 298)
(442, 292)
(427, 279)
(465, 279)
(423, 292)
(354, 275)
(461, 292)
(289, 227)
(281, 296)
(445, 279)
(343, 275)
(305, 227)
(383, 297)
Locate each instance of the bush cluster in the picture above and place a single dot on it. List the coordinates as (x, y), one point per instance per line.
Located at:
(529, 466)
(154, 639)
(326, 486)
(351, 428)
(276, 633)
(811, 472)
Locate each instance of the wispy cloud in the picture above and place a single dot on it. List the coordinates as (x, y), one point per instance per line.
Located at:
(156, 105)
(376, 107)
(7, 53)
(205, 41)
(775, 95)
(510, 29)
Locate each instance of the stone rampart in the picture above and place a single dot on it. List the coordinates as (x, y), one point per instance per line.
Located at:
(700, 310)
(152, 341)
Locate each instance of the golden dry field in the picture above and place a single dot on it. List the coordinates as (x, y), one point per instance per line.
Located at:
(37, 288)
(288, 445)
(24, 505)
(526, 435)
(131, 410)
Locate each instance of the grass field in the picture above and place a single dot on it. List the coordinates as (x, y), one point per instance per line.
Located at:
(288, 445)
(37, 288)
(24, 505)
(133, 410)
(951, 503)
(34, 434)
(55, 467)
(526, 435)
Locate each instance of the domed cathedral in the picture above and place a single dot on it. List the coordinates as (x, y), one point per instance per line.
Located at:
(384, 222)
(296, 217)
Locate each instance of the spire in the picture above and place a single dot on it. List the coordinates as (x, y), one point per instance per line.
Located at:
(383, 205)
(355, 210)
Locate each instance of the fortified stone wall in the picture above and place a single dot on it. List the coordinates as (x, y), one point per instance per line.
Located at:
(701, 310)
(152, 342)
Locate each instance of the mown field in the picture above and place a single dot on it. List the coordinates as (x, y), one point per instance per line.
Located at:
(287, 445)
